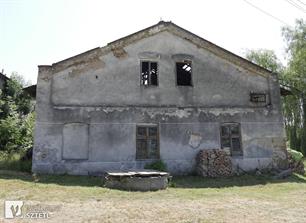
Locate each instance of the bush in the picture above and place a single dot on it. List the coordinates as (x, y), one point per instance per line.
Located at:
(296, 155)
(13, 161)
(157, 165)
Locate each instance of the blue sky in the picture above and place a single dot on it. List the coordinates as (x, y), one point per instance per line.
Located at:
(38, 32)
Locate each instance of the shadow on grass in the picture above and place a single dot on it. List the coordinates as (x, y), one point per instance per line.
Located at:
(63, 180)
(236, 181)
(178, 181)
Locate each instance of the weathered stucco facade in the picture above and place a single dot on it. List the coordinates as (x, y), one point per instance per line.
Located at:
(89, 106)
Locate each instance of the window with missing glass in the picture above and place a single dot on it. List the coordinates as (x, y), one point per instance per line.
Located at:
(231, 138)
(147, 145)
(149, 73)
(184, 73)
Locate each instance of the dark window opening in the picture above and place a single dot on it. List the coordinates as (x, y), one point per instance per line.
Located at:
(183, 73)
(258, 97)
(147, 142)
(231, 138)
(149, 73)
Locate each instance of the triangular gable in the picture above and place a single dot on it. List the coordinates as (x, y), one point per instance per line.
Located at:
(175, 30)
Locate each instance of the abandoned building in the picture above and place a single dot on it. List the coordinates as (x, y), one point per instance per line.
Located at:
(162, 93)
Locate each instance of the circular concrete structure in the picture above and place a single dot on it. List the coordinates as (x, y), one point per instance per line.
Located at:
(137, 180)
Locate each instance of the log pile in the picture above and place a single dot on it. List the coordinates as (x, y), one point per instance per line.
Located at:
(214, 163)
(296, 166)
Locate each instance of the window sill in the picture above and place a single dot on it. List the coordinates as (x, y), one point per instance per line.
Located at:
(179, 86)
(149, 86)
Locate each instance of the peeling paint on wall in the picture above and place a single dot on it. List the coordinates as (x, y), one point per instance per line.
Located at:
(170, 112)
(102, 90)
(195, 140)
(227, 111)
(120, 53)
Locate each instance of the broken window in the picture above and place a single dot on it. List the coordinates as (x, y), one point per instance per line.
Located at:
(147, 142)
(183, 73)
(230, 138)
(149, 73)
(258, 97)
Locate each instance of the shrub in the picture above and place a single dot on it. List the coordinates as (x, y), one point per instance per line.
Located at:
(157, 165)
(13, 161)
(16, 117)
(296, 155)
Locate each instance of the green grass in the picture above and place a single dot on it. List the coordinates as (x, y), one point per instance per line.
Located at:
(68, 188)
(13, 162)
(190, 199)
(187, 199)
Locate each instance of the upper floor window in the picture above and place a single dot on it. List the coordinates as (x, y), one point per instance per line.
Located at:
(184, 73)
(149, 73)
(231, 138)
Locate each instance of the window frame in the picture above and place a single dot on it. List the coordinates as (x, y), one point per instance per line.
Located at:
(147, 138)
(253, 96)
(140, 73)
(230, 137)
(191, 75)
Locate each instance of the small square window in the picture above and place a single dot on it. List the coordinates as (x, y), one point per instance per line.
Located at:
(184, 73)
(258, 97)
(149, 73)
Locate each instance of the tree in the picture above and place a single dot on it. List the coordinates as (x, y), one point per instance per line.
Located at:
(265, 58)
(295, 76)
(16, 116)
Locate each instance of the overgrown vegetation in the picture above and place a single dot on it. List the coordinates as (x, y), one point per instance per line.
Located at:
(156, 165)
(296, 155)
(16, 124)
(14, 161)
(293, 76)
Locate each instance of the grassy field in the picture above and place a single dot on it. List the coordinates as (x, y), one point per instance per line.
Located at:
(190, 199)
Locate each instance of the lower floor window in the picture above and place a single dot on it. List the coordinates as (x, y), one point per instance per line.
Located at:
(231, 138)
(147, 146)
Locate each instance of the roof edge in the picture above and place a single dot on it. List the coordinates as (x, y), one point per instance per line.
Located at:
(170, 26)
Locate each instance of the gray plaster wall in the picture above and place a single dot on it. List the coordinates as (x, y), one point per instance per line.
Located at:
(116, 81)
(88, 108)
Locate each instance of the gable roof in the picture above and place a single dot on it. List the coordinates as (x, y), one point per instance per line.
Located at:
(31, 90)
(155, 29)
(2, 76)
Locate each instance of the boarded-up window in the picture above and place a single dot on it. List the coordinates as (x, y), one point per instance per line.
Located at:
(75, 141)
(147, 142)
(231, 138)
(183, 73)
(149, 73)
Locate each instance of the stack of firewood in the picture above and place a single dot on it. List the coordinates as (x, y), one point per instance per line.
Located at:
(214, 163)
